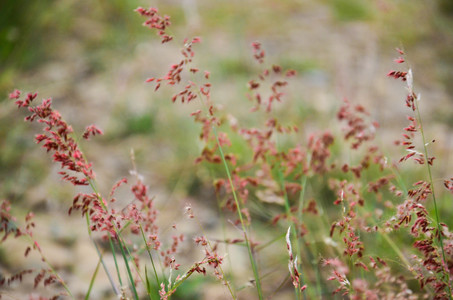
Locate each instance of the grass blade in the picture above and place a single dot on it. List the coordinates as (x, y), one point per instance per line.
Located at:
(87, 296)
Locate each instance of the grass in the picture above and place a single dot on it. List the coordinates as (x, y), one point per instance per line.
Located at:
(358, 222)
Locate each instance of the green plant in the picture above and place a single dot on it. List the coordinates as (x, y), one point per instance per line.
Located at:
(314, 213)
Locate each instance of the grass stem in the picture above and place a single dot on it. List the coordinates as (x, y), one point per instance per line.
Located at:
(249, 247)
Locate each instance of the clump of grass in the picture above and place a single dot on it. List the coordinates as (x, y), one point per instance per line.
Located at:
(336, 211)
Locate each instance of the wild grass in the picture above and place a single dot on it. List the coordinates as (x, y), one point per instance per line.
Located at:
(312, 214)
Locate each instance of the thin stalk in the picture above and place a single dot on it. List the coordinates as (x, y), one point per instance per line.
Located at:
(397, 250)
(150, 256)
(293, 228)
(131, 279)
(402, 257)
(400, 181)
(227, 246)
(282, 284)
(220, 267)
(117, 292)
(180, 281)
(224, 232)
(300, 218)
(44, 259)
(302, 197)
(230, 180)
(439, 228)
(112, 247)
(115, 289)
(249, 248)
(148, 284)
(260, 247)
(87, 295)
(134, 167)
(121, 244)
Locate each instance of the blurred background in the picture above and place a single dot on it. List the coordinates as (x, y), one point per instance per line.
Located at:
(92, 58)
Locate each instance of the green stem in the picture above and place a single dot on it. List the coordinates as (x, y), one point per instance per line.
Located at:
(249, 248)
(115, 289)
(87, 296)
(293, 228)
(148, 285)
(121, 243)
(220, 267)
(44, 259)
(131, 278)
(260, 247)
(439, 228)
(112, 247)
(308, 251)
(150, 256)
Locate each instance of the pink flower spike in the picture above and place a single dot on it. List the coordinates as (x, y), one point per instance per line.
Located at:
(400, 51)
(256, 45)
(291, 73)
(91, 130)
(195, 113)
(399, 60)
(37, 246)
(15, 94)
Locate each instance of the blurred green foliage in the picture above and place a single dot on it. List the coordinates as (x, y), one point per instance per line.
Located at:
(233, 66)
(351, 10)
(446, 7)
(34, 33)
(25, 24)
